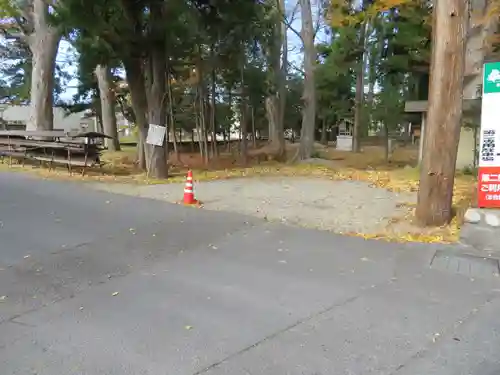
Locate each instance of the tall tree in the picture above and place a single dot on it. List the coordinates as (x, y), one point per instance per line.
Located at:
(277, 55)
(15, 70)
(33, 20)
(34, 23)
(309, 94)
(360, 87)
(43, 40)
(450, 25)
(108, 103)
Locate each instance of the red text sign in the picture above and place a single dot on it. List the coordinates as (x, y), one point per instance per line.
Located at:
(488, 187)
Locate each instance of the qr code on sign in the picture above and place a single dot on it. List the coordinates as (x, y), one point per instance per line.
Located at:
(488, 147)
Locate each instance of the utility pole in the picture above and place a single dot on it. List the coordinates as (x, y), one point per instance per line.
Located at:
(442, 131)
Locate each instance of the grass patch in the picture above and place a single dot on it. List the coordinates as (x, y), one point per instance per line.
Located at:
(132, 138)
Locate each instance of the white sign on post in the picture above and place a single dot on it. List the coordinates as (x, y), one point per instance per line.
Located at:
(488, 195)
(156, 135)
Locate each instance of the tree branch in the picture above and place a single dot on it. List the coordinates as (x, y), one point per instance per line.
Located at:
(318, 18)
(289, 26)
(293, 66)
(294, 11)
(287, 23)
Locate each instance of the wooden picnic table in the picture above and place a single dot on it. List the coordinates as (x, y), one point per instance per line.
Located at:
(35, 133)
(52, 146)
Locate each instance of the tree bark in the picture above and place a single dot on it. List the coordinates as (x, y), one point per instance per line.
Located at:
(171, 117)
(157, 166)
(375, 54)
(254, 135)
(279, 136)
(199, 132)
(358, 110)
(107, 96)
(368, 70)
(450, 23)
(213, 104)
(276, 101)
(230, 101)
(243, 116)
(386, 143)
(324, 138)
(43, 43)
(192, 134)
(206, 124)
(203, 123)
(309, 94)
(135, 79)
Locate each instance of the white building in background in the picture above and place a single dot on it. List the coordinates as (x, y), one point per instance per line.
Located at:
(17, 116)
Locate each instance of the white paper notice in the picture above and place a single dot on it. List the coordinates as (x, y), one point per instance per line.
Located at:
(156, 135)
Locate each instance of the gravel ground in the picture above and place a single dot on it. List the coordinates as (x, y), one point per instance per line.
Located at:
(340, 206)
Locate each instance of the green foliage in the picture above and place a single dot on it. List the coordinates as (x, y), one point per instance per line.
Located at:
(388, 107)
(227, 37)
(293, 111)
(395, 54)
(334, 84)
(15, 73)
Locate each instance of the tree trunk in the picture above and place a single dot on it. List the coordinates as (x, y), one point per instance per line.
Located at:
(244, 134)
(171, 115)
(43, 43)
(202, 100)
(254, 139)
(107, 97)
(279, 135)
(368, 69)
(375, 54)
(450, 24)
(157, 164)
(276, 102)
(206, 120)
(309, 94)
(141, 149)
(324, 138)
(135, 79)
(282, 91)
(272, 114)
(243, 116)
(230, 101)
(387, 146)
(192, 138)
(203, 118)
(99, 127)
(213, 109)
(197, 115)
(360, 87)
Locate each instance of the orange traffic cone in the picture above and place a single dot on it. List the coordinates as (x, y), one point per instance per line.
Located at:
(188, 190)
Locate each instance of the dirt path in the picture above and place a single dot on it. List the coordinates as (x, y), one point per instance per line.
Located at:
(340, 206)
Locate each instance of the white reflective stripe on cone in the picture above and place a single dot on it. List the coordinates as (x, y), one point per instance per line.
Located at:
(188, 184)
(187, 191)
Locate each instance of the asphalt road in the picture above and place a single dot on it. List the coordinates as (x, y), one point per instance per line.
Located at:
(93, 283)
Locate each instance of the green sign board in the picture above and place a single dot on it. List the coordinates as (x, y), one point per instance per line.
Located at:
(491, 77)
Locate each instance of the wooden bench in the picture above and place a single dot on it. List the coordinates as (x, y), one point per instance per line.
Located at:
(76, 150)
